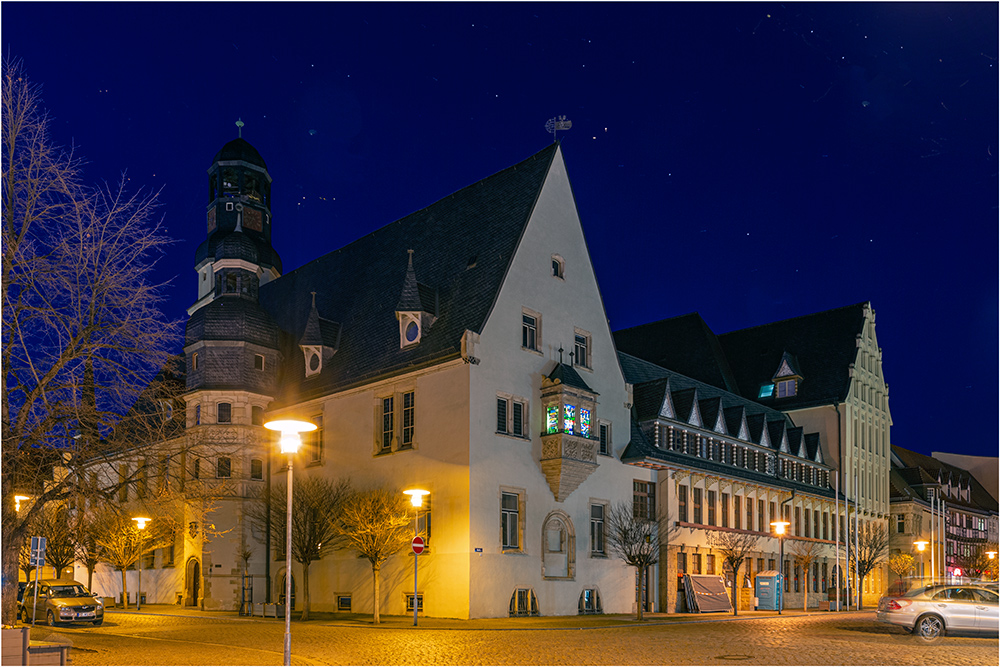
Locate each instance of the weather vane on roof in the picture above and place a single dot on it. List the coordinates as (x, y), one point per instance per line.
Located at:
(239, 125)
(553, 125)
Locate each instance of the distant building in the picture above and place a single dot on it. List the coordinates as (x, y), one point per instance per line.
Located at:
(943, 505)
(986, 469)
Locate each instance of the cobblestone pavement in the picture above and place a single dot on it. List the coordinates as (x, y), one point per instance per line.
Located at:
(814, 639)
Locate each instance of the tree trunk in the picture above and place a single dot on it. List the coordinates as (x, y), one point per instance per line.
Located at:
(640, 574)
(11, 570)
(375, 587)
(305, 592)
(124, 591)
(90, 577)
(805, 593)
(736, 593)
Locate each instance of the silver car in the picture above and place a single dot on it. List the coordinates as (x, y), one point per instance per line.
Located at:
(931, 611)
(61, 601)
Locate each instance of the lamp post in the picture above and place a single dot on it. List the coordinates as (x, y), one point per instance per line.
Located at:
(141, 521)
(921, 545)
(991, 555)
(290, 443)
(779, 529)
(416, 499)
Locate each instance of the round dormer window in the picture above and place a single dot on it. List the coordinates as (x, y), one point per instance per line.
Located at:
(412, 331)
(313, 361)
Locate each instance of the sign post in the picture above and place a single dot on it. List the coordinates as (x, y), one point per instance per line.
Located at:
(418, 548)
(38, 561)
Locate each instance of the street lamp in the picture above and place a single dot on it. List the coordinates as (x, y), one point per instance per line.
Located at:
(290, 443)
(417, 500)
(921, 545)
(17, 502)
(141, 521)
(779, 529)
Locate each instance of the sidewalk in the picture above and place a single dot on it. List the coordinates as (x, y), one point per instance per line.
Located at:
(529, 623)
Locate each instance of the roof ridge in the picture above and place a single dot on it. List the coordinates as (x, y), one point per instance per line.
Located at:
(797, 317)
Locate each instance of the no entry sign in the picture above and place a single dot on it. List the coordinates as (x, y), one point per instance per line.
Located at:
(417, 544)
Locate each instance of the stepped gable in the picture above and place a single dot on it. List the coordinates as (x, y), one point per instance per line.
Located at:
(822, 344)
(684, 344)
(464, 244)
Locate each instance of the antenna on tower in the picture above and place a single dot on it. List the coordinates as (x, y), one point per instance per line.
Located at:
(553, 125)
(239, 125)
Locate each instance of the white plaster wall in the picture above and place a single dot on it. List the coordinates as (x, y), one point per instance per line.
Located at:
(497, 460)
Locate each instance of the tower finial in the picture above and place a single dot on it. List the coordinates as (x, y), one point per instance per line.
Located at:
(560, 354)
(314, 298)
(410, 261)
(239, 125)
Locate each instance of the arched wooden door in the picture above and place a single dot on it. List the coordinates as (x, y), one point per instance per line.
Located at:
(192, 583)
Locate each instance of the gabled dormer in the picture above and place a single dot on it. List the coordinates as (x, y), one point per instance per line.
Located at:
(710, 410)
(417, 309)
(319, 341)
(736, 422)
(667, 406)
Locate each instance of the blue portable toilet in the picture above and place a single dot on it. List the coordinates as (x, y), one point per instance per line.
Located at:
(767, 590)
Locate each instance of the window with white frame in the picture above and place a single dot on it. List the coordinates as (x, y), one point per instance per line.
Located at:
(597, 529)
(395, 419)
(531, 330)
(510, 521)
(581, 348)
(604, 434)
(512, 415)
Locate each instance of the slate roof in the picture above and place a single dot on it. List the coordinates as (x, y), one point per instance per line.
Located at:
(240, 149)
(823, 345)
(820, 347)
(917, 472)
(568, 376)
(360, 285)
(650, 386)
(684, 344)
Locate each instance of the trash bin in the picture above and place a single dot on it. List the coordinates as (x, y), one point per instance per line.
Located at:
(767, 590)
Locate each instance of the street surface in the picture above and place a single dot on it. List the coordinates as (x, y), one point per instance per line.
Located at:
(152, 638)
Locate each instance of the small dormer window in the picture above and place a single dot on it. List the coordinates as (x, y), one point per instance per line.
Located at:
(786, 388)
(766, 391)
(412, 331)
(313, 359)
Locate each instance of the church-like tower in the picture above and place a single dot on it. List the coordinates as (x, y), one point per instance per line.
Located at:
(232, 351)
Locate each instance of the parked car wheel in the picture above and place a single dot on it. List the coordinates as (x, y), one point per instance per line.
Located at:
(929, 628)
(50, 619)
(99, 621)
(24, 616)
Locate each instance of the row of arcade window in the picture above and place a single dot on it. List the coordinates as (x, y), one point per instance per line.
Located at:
(524, 602)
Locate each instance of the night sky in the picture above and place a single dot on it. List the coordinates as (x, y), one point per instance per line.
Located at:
(751, 162)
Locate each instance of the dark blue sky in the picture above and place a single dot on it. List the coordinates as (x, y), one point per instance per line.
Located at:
(751, 162)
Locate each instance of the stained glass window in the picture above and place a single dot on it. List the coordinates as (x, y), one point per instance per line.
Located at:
(585, 422)
(569, 417)
(552, 419)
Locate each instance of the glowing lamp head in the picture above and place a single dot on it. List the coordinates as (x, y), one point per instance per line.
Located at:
(780, 526)
(17, 502)
(991, 554)
(141, 521)
(921, 544)
(416, 496)
(290, 429)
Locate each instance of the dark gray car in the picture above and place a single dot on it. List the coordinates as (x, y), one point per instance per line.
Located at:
(61, 601)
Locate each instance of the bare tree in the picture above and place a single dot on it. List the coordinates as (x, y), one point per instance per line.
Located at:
(375, 523)
(316, 503)
(804, 554)
(53, 525)
(83, 333)
(735, 548)
(873, 545)
(636, 537)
